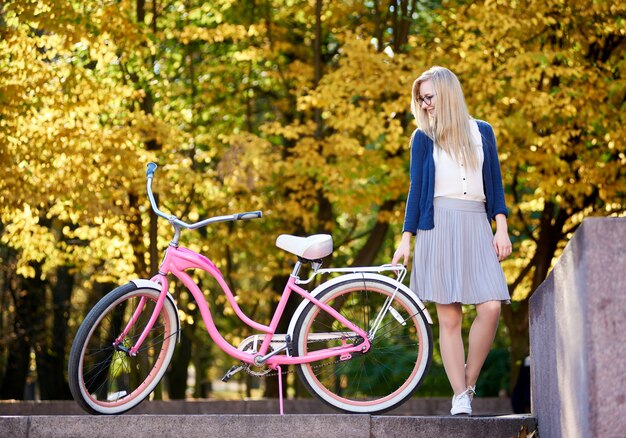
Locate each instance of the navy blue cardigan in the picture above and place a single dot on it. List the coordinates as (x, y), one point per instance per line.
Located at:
(419, 204)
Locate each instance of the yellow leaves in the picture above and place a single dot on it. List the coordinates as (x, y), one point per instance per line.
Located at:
(547, 76)
(366, 95)
(148, 127)
(247, 162)
(289, 132)
(24, 233)
(106, 245)
(509, 101)
(342, 146)
(69, 143)
(225, 101)
(221, 33)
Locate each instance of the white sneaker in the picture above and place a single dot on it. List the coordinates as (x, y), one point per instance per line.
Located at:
(462, 403)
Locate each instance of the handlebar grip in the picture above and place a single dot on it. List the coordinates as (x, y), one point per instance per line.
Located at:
(248, 215)
(151, 168)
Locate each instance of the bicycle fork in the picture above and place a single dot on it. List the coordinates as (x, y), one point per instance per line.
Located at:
(118, 343)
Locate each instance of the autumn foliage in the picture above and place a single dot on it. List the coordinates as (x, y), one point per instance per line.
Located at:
(296, 108)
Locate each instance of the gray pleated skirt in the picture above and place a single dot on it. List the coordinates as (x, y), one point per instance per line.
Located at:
(455, 262)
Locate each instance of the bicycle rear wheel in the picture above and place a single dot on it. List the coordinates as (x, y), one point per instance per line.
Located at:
(383, 377)
(103, 377)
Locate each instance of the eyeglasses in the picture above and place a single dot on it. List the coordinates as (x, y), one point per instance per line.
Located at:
(427, 99)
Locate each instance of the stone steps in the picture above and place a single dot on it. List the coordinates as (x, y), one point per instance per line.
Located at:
(291, 425)
(415, 406)
(419, 417)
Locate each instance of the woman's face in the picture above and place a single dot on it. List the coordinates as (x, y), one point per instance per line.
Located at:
(426, 97)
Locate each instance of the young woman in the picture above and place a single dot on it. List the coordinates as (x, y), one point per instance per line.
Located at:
(455, 191)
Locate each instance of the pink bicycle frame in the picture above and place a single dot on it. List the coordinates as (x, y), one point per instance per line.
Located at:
(178, 259)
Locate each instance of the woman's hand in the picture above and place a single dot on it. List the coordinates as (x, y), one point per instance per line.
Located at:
(501, 241)
(403, 250)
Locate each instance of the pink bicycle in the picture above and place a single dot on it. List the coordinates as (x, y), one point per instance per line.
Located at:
(361, 342)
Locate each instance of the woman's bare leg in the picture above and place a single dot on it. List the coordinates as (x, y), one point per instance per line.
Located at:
(451, 344)
(481, 336)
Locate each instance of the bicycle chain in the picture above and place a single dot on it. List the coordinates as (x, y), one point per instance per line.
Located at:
(246, 366)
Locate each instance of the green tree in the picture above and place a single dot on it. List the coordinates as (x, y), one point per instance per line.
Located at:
(64, 141)
(550, 78)
(299, 109)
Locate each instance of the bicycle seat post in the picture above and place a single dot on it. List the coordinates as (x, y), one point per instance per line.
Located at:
(296, 269)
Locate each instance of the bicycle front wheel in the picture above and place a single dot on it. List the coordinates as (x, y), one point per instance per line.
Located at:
(103, 377)
(383, 377)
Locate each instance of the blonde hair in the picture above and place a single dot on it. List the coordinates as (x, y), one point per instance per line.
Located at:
(449, 128)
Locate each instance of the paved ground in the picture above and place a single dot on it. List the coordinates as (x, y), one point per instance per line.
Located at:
(226, 426)
(414, 407)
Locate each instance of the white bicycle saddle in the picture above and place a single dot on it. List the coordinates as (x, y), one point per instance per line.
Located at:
(310, 248)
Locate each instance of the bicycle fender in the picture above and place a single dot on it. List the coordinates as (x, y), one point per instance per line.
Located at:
(356, 276)
(142, 283)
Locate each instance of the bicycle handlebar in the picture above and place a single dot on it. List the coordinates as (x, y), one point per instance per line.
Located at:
(177, 222)
(151, 168)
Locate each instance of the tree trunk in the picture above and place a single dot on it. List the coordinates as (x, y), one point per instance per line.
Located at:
(516, 316)
(51, 353)
(375, 240)
(317, 64)
(17, 343)
(177, 375)
(147, 106)
(324, 212)
(14, 379)
(135, 232)
(29, 299)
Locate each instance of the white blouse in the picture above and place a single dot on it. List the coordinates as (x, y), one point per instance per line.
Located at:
(454, 180)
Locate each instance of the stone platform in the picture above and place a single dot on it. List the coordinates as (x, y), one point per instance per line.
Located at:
(415, 407)
(420, 417)
(577, 328)
(226, 426)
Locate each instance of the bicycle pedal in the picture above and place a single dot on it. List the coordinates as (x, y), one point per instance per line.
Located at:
(231, 372)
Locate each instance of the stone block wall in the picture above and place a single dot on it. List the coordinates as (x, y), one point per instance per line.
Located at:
(578, 336)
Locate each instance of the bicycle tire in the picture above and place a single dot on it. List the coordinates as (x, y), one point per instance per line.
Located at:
(106, 380)
(380, 379)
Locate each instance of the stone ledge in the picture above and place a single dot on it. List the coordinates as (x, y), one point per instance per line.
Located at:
(577, 329)
(226, 426)
(416, 406)
(457, 427)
